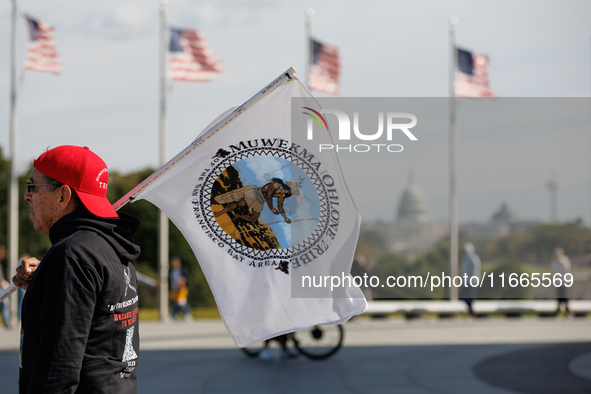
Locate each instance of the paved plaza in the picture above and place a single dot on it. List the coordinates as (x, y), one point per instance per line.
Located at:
(493, 355)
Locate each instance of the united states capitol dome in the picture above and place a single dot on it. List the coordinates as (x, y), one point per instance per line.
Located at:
(412, 207)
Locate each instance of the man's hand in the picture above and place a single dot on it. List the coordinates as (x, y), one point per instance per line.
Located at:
(24, 273)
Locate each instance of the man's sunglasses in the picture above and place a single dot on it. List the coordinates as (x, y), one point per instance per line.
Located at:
(31, 185)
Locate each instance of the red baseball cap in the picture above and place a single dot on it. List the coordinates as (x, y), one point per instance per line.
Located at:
(81, 170)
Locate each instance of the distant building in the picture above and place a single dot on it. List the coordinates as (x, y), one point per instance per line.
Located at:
(411, 233)
(412, 207)
(502, 223)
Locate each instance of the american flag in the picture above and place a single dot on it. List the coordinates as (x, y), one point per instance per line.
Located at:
(190, 58)
(41, 54)
(323, 74)
(471, 76)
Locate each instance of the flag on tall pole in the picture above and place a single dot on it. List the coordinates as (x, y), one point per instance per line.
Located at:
(41, 52)
(190, 58)
(13, 197)
(184, 56)
(41, 56)
(163, 246)
(259, 209)
(324, 68)
(471, 75)
(453, 162)
(468, 78)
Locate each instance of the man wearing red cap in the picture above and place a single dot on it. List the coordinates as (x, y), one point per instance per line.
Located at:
(79, 314)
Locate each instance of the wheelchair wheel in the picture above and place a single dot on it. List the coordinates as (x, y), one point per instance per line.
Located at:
(319, 342)
(253, 350)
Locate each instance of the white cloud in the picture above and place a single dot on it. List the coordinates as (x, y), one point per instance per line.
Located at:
(132, 16)
(125, 21)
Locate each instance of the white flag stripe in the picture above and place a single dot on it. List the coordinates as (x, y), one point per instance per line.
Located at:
(471, 75)
(190, 58)
(324, 69)
(41, 53)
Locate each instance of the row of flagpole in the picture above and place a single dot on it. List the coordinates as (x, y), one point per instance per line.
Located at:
(322, 75)
(184, 56)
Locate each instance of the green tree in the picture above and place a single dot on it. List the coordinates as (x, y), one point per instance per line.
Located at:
(371, 244)
(146, 237)
(572, 237)
(390, 265)
(498, 289)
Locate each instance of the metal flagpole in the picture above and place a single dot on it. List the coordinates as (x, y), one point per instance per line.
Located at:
(163, 219)
(13, 188)
(453, 164)
(309, 45)
(553, 187)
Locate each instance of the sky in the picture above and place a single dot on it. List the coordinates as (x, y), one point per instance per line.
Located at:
(508, 149)
(107, 96)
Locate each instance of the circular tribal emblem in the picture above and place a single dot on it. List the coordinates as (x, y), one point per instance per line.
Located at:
(264, 202)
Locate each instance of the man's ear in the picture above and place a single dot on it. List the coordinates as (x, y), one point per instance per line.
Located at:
(65, 198)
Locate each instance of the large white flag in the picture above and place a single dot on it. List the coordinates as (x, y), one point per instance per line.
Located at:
(260, 212)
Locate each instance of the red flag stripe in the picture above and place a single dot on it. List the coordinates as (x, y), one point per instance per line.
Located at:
(196, 62)
(42, 52)
(324, 74)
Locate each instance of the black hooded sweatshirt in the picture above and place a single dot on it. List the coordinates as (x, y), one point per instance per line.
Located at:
(80, 312)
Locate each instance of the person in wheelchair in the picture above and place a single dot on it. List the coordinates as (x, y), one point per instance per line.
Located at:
(286, 353)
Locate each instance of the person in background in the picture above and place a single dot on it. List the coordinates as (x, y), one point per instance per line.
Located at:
(4, 305)
(175, 273)
(179, 300)
(561, 265)
(470, 267)
(179, 291)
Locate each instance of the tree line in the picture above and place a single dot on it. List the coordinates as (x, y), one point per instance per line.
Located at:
(534, 246)
(523, 251)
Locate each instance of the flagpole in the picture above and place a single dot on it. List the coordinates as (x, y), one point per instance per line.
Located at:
(163, 219)
(13, 187)
(453, 164)
(131, 195)
(309, 45)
